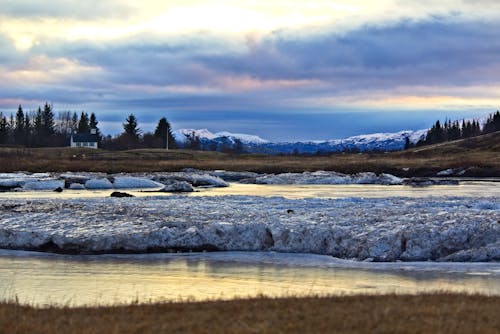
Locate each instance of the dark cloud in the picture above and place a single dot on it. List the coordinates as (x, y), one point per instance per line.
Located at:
(405, 54)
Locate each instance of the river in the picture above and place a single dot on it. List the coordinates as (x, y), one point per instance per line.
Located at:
(49, 279)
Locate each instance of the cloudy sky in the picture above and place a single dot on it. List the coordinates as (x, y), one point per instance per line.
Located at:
(283, 70)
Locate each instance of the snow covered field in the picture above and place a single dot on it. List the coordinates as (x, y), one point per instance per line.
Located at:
(383, 229)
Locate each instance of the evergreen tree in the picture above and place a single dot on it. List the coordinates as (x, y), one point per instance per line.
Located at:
(48, 122)
(74, 122)
(83, 124)
(19, 134)
(38, 128)
(193, 142)
(408, 143)
(164, 133)
(27, 130)
(130, 127)
(93, 125)
(238, 146)
(4, 129)
(492, 123)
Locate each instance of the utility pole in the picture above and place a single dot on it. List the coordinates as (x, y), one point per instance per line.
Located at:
(167, 141)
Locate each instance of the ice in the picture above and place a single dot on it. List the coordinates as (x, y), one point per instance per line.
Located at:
(382, 229)
(324, 177)
(98, 184)
(129, 182)
(43, 185)
(181, 186)
(446, 172)
(195, 178)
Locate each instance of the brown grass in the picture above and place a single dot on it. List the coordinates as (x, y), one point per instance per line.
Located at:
(439, 313)
(480, 155)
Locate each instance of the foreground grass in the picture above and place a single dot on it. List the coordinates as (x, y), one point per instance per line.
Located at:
(479, 155)
(438, 313)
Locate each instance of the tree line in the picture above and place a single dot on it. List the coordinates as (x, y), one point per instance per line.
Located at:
(42, 128)
(449, 130)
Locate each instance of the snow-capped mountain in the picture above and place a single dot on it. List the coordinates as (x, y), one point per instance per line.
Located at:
(255, 144)
(183, 135)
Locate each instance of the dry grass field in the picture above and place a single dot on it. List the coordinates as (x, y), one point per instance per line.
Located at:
(481, 155)
(440, 313)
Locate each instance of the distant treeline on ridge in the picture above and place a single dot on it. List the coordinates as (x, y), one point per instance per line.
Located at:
(449, 130)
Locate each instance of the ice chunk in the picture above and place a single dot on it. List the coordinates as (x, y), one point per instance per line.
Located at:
(98, 184)
(129, 182)
(43, 184)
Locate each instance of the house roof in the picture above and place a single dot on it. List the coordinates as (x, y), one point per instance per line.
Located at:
(84, 138)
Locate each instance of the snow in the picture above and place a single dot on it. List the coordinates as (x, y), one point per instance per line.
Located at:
(387, 229)
(255, 144)
(368, 142)
(181, 136)
(325, 177)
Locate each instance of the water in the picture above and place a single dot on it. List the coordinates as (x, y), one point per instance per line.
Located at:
(48, 279)
(465, 189)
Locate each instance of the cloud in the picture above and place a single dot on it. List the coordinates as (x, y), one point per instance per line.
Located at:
(357, 56)
(82, 10)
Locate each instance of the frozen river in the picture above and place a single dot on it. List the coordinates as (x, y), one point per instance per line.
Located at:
(365, 222)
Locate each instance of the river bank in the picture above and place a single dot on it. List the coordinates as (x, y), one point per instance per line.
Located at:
(436, 313)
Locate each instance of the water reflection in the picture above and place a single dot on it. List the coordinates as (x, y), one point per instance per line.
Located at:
(465, 189)
(108, 279)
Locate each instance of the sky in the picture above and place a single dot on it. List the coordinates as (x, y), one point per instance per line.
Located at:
(283, 70)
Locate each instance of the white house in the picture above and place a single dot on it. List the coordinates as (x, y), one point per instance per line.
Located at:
(88, 140)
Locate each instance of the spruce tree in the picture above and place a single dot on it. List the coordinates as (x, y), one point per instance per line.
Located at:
(74, 122)
(130, 127)
(164, 133)
(4, 129)
(83, 124)
(48, 121)
(408, 143)
(27, 130)
(19, 135)
(38, 128)
(93, 125)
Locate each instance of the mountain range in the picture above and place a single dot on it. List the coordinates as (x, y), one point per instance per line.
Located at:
(254, 144)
